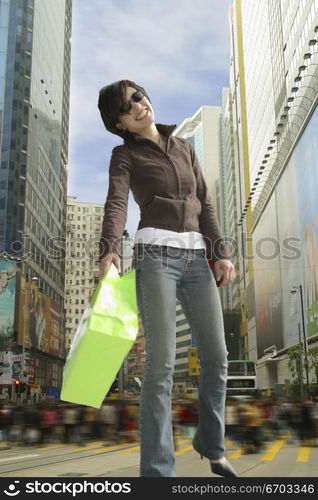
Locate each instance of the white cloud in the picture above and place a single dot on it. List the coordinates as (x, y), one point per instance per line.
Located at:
(161, 44)
(171, 47)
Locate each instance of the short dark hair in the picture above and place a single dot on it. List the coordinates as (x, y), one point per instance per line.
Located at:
(110, 100)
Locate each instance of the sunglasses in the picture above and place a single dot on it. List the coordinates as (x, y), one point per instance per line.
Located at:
(136, 97)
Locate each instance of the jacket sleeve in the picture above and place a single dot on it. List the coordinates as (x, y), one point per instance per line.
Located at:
(209, 224)
(115, 211)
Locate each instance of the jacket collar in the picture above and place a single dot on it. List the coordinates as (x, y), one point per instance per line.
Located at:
(163, 129)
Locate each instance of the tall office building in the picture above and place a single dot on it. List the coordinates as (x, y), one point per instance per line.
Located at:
(206, 132)
(229, 205)
(242, 171)
(202, 130)
(228, 199)
(274, 82)
(34, 108)
(83, 228)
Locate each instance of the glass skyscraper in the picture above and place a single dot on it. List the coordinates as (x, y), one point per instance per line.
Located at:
(35, 49)
(34, 109)
(274, 84)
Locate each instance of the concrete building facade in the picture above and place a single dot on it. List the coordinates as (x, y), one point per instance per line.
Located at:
(84, 222)
(274, 83)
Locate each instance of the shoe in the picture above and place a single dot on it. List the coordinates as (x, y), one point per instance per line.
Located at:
(224, 469)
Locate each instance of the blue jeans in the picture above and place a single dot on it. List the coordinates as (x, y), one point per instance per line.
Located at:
(164, 274)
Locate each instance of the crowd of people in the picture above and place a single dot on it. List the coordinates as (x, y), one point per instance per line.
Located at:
(50, 422)
(253, 422)
(248, 422)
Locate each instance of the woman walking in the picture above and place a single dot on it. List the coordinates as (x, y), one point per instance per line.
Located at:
(178, 232)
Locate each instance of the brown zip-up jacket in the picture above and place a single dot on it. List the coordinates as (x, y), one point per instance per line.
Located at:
(169, 188)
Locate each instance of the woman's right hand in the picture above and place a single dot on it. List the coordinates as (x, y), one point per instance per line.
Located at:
(107, 260)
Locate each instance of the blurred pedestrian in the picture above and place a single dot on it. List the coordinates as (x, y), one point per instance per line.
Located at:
(6, 421)
(69, 420)
(107, 417)
(178, 232)
(48, 422)
(250, 425)
(90, 423)
(231, 419)
(32, 433)
(308, 428)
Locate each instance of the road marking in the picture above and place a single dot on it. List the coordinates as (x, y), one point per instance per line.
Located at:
(184, 450)
(303, 455)
(20, 457)
(189, 448)
(272, 452)
(182, 441)
(52, 446)
(129, 450)
(236, 454)
(86, 447)
(137, 448)
(105, 449)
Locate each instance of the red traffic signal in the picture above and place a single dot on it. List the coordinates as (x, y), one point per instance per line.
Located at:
(17, 385)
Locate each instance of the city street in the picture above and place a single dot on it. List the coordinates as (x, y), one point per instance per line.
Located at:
(158, 245)
(277, 459)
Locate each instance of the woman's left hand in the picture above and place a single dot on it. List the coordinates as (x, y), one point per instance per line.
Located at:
(224, 272)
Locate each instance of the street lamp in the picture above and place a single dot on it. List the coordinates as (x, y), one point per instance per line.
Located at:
(300, 365)
(293, 292)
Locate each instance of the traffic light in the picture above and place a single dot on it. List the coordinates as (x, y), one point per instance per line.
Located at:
(23, 387)
(17, 385)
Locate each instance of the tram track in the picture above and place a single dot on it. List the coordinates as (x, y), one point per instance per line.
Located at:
(58, 458)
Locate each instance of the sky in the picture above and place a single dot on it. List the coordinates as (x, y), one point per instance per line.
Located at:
(178, 50)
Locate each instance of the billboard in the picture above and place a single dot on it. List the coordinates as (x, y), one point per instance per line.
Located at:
(297, 192)
(17, 366)
(5, 368)
(193, 361)
(290, 257)
(39, 319)
(7, 300)
(306, 154)
(289, 224)
(268, 296)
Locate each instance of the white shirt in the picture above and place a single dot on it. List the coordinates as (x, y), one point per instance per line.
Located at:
(163, 237)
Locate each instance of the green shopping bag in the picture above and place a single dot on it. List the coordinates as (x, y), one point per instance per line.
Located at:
(106, 333)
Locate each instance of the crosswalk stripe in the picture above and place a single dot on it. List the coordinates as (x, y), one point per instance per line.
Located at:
(236, 454)
(183, 441)
(272, 452)
(183, 450)
(129, 450)
(52, 446)
(137, 448)
(105, 449)
(303, 454)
